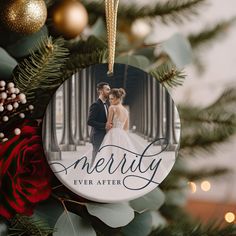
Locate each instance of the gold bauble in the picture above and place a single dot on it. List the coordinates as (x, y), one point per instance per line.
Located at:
(23, 16)
(69, 18)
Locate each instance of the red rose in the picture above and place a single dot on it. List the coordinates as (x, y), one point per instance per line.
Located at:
(24, 172)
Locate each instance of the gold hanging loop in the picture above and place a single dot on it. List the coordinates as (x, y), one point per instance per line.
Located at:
(111, 9)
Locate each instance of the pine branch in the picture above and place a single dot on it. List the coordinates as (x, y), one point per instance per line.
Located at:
(173, 180)
(202, 174)
(27, 226)
(210, 34)
(85, 53)
(171, 10)
(226, 101)
(205, 127)
(183, 228)
(168, 75)
(42, 69)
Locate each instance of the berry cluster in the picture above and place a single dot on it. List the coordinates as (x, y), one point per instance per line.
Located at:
(13, 103)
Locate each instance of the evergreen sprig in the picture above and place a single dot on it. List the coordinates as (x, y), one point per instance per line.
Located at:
(210, 34)
(168, 75)
(183, 228)
(84, 53)
(205, 127)
(171, 10)
(43, 68)
(28, 226)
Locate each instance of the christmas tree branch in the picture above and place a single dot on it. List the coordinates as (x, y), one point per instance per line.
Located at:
(168, 75)
(171, 183)
(171, 10)
(205, 127)
(42, 69)
(180, 227)
(28, 226)
(84, 53)
(210, 34)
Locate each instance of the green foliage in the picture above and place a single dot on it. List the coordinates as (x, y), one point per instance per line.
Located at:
(202, 128)
(168, 75)
(43, 68)
(73, 225)
(183, 228)
(28, 226)
(209, 34)
(171, 10)
(84, 53)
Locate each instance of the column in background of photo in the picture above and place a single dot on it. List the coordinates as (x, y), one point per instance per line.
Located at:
(51, 147)
(78, 136)
(67, 143)
(152, 111)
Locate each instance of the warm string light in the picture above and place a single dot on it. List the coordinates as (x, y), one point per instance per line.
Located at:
(193, 187)
(205, 186)
(229, 217)
(12, 103)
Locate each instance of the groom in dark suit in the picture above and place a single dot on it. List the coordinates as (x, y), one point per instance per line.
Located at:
(97, 118)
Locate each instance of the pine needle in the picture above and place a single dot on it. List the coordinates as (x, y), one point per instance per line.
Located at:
(43, 68)
(210, 34)
(171, 10)
(28, 226)
(202, 128)
(168, 75)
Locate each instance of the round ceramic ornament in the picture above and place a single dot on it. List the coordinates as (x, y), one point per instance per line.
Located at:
(111, 138)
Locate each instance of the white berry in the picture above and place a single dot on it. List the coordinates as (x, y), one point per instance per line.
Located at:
(9, 107)
(22, 115)
(17, 131)
(12, 90)
(1, 108)
(24, 101)
(10, 85)
(1, 135)
(3, 95)
(5, 139)
(15, 104)
(21, 96)
(17, 90)
(31, 107)
(13, 96)
(2, 83)
(5, 118)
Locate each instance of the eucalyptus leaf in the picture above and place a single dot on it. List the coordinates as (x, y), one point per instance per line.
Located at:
(140, 226)
(99, 29)
(138, 61)
(114, 215)
(3, 228)
(49, 210)
(70, 224)
(7, 65)
(151, 201)
(179, 50)
(157, 220)
(26, 44)
(176, 197)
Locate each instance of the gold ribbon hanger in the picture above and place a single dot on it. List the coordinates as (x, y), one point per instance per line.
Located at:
(111, 9)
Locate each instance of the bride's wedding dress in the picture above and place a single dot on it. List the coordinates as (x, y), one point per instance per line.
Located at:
(119, 172)
(124, 177)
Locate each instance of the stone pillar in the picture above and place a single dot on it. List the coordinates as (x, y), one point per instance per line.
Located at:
(67, 142)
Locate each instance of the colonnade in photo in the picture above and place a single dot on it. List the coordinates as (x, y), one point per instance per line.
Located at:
(153, 116)
(151, 109)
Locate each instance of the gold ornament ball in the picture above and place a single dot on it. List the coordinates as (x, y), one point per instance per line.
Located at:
(69, 18)
(23, 16)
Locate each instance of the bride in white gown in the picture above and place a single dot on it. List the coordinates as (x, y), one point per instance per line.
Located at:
(123, 176)
(119, 172)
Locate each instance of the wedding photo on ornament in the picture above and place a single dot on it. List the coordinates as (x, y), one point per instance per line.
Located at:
(111, 138)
